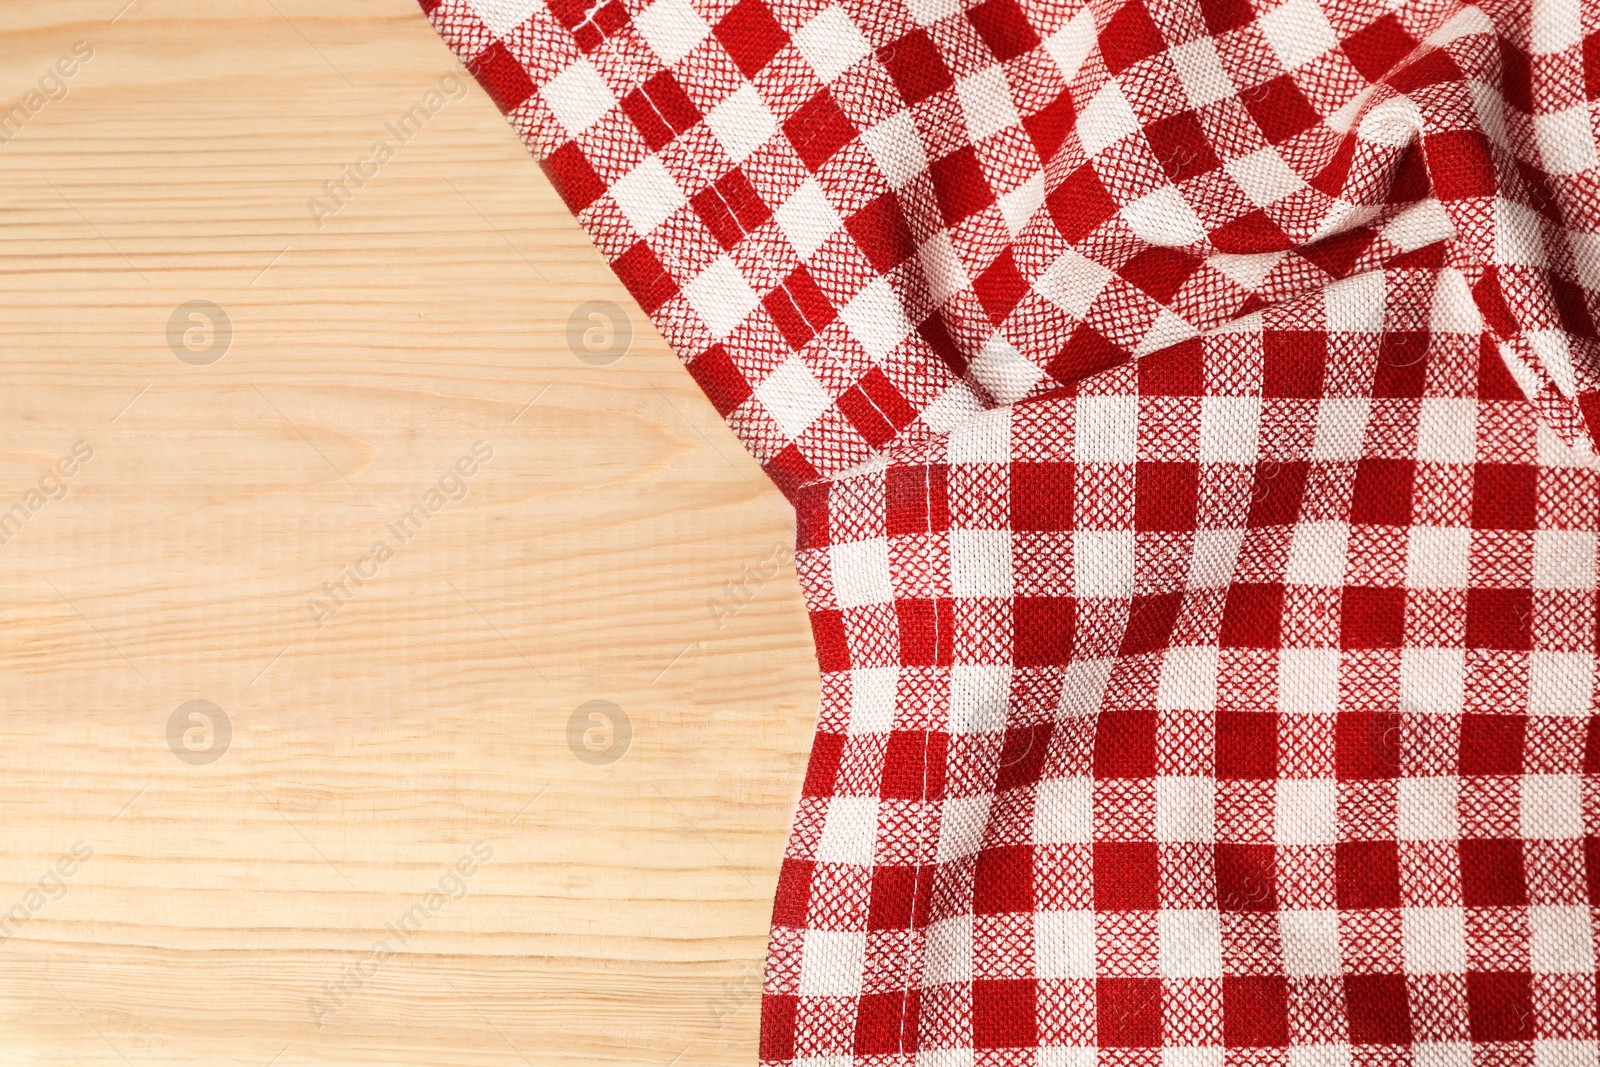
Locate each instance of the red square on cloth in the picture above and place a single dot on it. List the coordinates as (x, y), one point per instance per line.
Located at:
(1500, 1006)
(1378, 46)
(1247, 877)
(1004, 1014)
(1247, 745)
(1125, 744)
(1252, 615)
(1004, 28)
(1128, 1012)
(1500, 618)
(1129, 36)
(916, 67)
(1378, 1009)
(1042, 495)
(1459, 164)
(1365, 745)
(1255, 1011)
(818, 129)
(1367, 875)
(1043, 630)
(1492, 873)
(887, 1022)
(751, 35)
(1372, 617)
(1165, 496)
(1003, 880)
(1293, 363)
(1125, 876)
(879, 231)
(505, 80)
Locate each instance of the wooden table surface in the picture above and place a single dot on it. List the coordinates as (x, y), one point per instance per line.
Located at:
(392, 831)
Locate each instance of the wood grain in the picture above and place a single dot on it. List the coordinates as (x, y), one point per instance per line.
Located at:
(622, 914)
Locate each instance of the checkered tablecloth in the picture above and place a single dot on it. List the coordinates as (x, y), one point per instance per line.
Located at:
(1190, 412)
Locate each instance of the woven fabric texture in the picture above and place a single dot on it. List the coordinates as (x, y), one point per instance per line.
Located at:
(1190, 411)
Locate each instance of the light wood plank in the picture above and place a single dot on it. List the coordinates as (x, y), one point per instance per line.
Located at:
(622, 917)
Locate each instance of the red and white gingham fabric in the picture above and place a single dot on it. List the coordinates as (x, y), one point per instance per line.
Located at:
(1190, 410)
